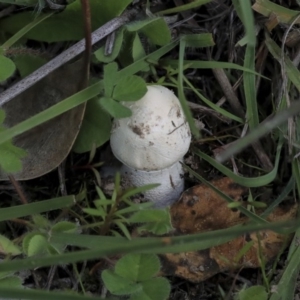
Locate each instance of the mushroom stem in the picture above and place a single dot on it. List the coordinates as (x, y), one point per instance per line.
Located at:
(170, 179)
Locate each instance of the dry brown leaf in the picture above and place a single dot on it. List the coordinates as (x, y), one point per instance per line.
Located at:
(48, 144)
(200, 209)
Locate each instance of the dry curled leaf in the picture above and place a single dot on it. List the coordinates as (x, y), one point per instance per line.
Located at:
(200, 209)
(48, 144)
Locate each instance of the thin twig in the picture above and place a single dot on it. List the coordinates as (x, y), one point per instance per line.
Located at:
(88, 42)
(64, 57)
(18, 189)
(229, 92)
(206, 110)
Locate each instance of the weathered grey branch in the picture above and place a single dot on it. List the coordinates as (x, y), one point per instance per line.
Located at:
(64, 57)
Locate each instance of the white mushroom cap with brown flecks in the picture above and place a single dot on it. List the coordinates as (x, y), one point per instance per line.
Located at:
(155, 136)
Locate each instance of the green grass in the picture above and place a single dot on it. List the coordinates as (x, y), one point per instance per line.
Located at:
(186, 64)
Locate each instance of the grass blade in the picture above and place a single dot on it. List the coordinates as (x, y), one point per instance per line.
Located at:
(183, 243)
(248, 182)
(35, 208)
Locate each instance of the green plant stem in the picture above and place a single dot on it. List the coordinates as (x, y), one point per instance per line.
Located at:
(110, 216)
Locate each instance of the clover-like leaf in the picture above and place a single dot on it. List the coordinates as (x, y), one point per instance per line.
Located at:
(157, 221)
(153, 289)
(138, 267)
(119, 285)
(35, 244)
(110, 78)
(114, 108)
(131, 88)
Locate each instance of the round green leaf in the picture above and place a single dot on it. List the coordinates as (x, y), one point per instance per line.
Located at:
(7, 67)
(131, 88)
(153, 289)
(158, 32)
(138, 267)
(37, 245)
(64, 226)
(256, 292)
(118, 285)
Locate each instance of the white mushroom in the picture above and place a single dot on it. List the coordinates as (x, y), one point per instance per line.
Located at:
(152, 142)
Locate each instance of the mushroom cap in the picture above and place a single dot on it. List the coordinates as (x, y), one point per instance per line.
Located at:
(155, 136)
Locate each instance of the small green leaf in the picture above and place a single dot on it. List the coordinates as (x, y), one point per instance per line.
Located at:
(7, 68)
(37, 245)
(110, 77)
(199, 40)
(125, 56)
(138, 51)
(138, 25)
(133, 208)
(100, 193)
(40, 221)
(256, 292)
(123, 228)
(99, 212)
(11, 282)
(118, 285)
(234, 204)
(153, 289)
(55, 248)
(158, 32)
(138, 267)
(258, 204)
(156, 29)
(102, 202)
(26, 64)
(95, 128)
(64, 226)
(158, 221)
(134, 191)
(100, 53)
(114, 108)
(7, 247)
(26, 241)
(131, 88)
(10, 155)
